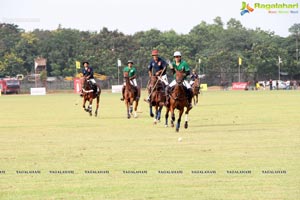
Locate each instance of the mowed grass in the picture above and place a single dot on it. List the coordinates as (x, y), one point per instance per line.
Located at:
(228, 130)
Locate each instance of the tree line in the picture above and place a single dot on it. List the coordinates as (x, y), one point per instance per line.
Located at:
(213, 49)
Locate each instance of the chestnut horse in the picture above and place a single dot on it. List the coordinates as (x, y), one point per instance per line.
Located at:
(130, 95)
(89, 95)
(196, 90)
(157, 97)
(178, 100)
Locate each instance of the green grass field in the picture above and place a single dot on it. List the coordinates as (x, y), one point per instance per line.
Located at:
(228, 131)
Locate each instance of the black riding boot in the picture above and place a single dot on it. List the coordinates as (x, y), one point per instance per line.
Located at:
(95, 88)
(123, 90)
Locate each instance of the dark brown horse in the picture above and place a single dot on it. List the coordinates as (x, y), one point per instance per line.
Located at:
(157, 97)
(178, 100)
(89, 95)
(130, 96)
(196, 90)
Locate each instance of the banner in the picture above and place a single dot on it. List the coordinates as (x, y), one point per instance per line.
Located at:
(239, 85)
(203, 87)
(77, 65)
(116, 88)
(77, 85)
(38, 91)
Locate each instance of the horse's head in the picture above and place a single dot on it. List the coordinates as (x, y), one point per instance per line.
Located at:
(153, 80)
(86, 85)
(179, 77)
(197, 82)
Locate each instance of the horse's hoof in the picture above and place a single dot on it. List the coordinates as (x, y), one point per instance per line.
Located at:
(177, 129)
(135, 115)
(151, 115)
(186, 125)
(172, 125)
(154, 123)
(166, 125)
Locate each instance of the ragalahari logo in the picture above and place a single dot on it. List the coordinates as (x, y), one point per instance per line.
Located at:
(246, 8)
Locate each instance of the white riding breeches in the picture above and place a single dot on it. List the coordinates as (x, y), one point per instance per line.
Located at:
(185, 83)
(192, 82)
(92, 80)
(133, 82)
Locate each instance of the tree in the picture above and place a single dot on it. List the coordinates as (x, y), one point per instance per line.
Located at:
(11, 65)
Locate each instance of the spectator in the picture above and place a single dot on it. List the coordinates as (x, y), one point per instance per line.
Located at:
(295, 84)
(288, 83)
(257, 86)
(271, 84)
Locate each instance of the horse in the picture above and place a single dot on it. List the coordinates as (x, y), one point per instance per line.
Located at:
(196, 90)
(178, 100)
(130, 96)
(89, 95)
(157, 97)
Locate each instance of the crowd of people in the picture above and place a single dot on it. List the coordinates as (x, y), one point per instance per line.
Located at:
(277, 84)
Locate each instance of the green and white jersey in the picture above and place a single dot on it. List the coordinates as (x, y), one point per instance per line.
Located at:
(131, 71)
(183, 66)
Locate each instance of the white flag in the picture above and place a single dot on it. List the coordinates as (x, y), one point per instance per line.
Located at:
(119, 63)
(279, 60)
(35, 65)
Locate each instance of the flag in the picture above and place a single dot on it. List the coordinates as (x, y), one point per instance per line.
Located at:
(77, 65)
(35, 65)
(119, 63)
(240, 61)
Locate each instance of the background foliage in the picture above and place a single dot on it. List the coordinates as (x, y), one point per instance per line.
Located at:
(218, 45)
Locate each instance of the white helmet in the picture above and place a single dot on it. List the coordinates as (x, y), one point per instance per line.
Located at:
(177, 53)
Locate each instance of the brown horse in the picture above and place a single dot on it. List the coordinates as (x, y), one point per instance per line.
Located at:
(196, 90)
(89, 95)
(178, 100)
(130, 96)
(157, 97)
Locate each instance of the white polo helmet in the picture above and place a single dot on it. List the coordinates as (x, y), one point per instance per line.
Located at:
(177, 53)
